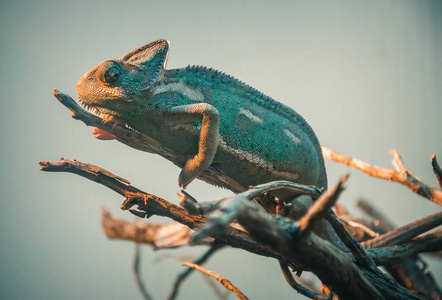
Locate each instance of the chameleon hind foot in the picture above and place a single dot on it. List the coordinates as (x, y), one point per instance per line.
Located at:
(192, 169)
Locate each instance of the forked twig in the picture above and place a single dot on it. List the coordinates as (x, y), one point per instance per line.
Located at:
(400, 175)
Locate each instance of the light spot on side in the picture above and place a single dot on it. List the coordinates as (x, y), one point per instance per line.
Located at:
(245, 155)
(179, 87)
(286, 175)
(258, 161)
(292, 136)
(247, 113)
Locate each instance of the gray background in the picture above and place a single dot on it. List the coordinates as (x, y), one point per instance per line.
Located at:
(366, 75)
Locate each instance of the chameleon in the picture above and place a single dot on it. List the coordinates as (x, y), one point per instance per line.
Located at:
(211, 118)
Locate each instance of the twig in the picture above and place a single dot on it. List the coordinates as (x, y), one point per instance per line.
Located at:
(396, 254)
(225, 282)
(414, 275)
(140, 284)
(382, 221)
(297, 287)
(436, 169)
(184, 274)
(159, 236)
(407, 271)
(215, 287)
(406, 232)
(320, 208)
(400, 175)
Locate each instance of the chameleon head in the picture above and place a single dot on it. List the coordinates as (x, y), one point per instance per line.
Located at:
(110, 87)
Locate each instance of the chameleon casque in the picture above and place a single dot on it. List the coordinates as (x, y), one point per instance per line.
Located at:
(208, 116)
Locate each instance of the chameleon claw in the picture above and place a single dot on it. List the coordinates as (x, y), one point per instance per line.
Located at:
(190, 171)
(184, 179)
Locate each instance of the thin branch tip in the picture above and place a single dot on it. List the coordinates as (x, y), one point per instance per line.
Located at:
(224, 281)
(399, 174)
(436, 169)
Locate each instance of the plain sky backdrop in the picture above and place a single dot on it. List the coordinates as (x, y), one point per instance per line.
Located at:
(367, 75)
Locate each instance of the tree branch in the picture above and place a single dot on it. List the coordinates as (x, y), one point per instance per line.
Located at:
(400, 175)
(405, 233)
(140, 284)
(184, 274)
(275, 236)
(296, 286)
(159, 236)
(436, 169)
(225, 282)
(154, 205)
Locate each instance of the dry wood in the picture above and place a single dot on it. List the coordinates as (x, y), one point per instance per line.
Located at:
(436, 169)
(140, 284)
(159, 236)
(400, 175)
(225, 282)
(184, 274)
(274, 236)
(298, 287)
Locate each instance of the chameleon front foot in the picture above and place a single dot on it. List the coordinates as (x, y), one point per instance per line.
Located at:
(102, 134)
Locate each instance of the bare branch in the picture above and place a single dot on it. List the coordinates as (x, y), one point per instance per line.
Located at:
(436, 169)
(382, 221)
(215, 287)
(401, 175)
(159, 236)
(184, 274)
(406, 232)
(320, 207)
(392, 255)
(407, 271)
(154, 205)
(140, 284)
(414, 275)
(275, 236)
(225, 282)
(297, 287)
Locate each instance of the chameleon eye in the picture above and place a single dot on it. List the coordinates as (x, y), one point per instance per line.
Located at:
(109, 72)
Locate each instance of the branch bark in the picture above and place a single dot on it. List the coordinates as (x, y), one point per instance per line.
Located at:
(400, 174)
(273, 236)
(225, 282)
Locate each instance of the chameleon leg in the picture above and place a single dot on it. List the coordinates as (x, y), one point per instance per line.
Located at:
(208, 139)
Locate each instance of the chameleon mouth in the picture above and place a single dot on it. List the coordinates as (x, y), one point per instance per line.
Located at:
(89, 108)
(106, 118)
